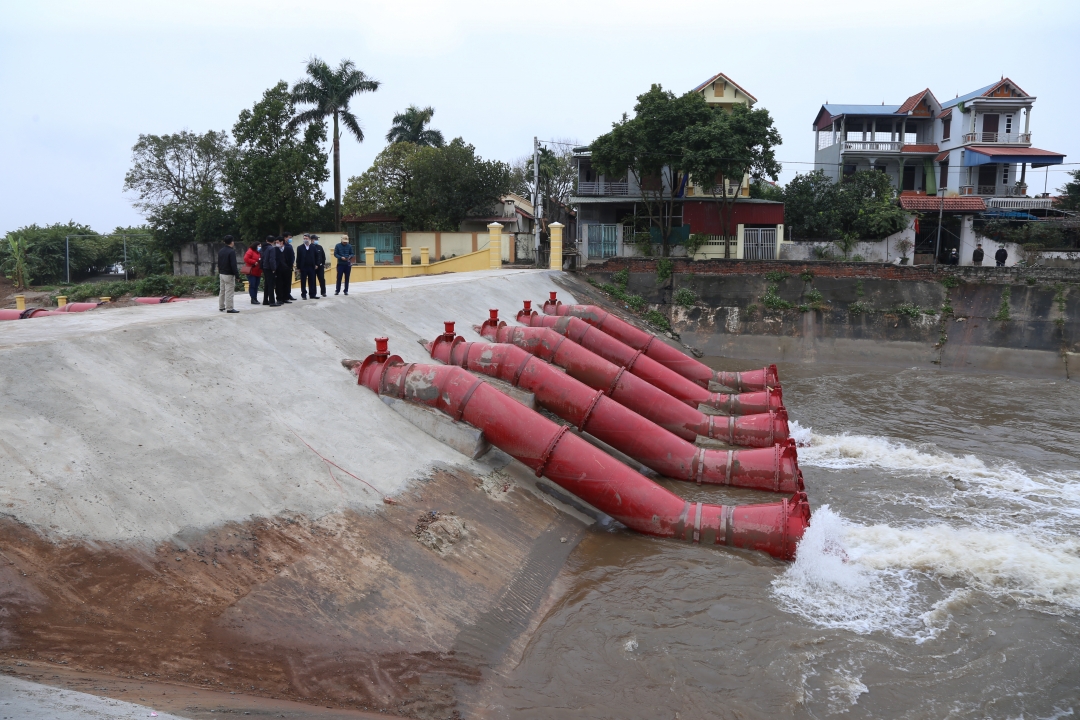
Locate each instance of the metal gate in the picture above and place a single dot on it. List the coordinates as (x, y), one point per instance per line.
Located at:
(759, 243)
(386, 246)
(603, 240)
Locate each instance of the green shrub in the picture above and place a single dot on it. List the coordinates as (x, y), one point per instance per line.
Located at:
(684, 296)
(1003, 310)
(804, 308)
(773, 301)
(950, 281)
(859, 292)
(775, 276)
(636, 302)
(806, 276)
(859, 308)
(814, 296)
(657, 319)
(858, 258)
(1030, 281)
(909, 310)
(621, 278)
(664, 267)
(751, 308)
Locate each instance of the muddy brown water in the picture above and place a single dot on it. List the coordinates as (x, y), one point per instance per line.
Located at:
(941, 577)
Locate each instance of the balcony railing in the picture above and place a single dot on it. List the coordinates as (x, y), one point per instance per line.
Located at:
(1019, 203)
(603, 188)
(993, 191)
(860, 146)
(1000, 138)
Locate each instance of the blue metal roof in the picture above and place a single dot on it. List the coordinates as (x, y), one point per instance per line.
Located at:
(964, 98)
(861, 109)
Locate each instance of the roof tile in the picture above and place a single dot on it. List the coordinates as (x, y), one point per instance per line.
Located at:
(950, 204)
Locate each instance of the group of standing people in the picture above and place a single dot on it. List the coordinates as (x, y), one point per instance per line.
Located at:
(273, 264)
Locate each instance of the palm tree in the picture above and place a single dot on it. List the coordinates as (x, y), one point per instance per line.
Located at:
(330, 91)
(409, 127)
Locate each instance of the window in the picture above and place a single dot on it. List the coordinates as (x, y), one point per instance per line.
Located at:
(1004, 174)
(944, 173)
(1008, 124)
(946, 128)
(849, 170)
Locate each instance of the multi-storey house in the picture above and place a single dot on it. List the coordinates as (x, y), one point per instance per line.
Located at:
(975, 145)
(609, 208)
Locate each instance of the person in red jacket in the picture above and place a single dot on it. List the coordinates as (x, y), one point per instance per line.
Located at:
(254, 271)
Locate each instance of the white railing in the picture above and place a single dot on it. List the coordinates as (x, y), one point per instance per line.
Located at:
(1001, 138)
(966, 190)
(860, 146)
(1020, 203)
(603, 188)
(733, 190)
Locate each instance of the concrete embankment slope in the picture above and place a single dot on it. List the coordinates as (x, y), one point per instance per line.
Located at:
(1015, 320)
(166, 504)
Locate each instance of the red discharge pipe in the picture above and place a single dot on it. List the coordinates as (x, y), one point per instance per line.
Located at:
(762, 430)
(650, 370)
(578, 467)
(11, 314)
(775, 469)
(661, 351)
(79, 307)
(25, 314)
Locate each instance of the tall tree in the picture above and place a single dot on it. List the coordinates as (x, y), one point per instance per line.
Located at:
(411, 126)
(558, 179)
(329, 92)
(445, 185)
(381, 188)
(1070, 193)
(275, 175)
(177, 180)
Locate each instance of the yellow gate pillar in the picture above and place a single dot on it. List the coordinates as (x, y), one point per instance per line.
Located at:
(406, 261)
(495, 246)
(369, 263)
(425, 260)
(556, 245)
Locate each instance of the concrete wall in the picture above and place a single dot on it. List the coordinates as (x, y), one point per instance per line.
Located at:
(861, 317)
(198, 259)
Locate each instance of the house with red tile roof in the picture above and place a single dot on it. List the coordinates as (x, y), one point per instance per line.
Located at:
(974, 145)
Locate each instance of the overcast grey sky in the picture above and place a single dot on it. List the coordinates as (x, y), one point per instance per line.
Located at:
(79, 81)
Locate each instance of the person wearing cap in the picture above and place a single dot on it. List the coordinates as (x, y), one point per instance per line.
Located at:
(289, 255)
(305, 264)
(344, 253)
(320, 264)
(269, 268)
(227, 272)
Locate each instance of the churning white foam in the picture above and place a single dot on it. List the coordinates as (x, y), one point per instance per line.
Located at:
(867, 578)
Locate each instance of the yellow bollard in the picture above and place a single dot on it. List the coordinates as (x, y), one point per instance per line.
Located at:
(369, 263)
(495, 246)
(106, 299)
(406, 261)
(20, 302)
(556, 245)
(61, 300)
(425, 260)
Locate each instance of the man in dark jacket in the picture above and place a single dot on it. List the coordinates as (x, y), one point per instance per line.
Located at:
(290, 262)
(284, 272)
(305, 264)
(227, 272)
(978, 255)
(269, 268)
(344, 254)
(1001, 256)
(320, 264)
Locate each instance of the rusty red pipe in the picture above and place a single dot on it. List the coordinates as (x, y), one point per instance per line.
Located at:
(26, 314)
(649, 369)
(663, 353)
(572, 463)
(79, 307)
(773, 469)
(761, 430)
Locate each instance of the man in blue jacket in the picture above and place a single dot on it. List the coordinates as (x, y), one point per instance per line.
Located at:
(269, 268)
(344, 253)
(305, 264)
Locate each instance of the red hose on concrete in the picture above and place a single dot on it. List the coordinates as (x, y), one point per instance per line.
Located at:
(26, 314)
(578, 467)
(79, 307)
(650, 370)
(762, 430)
(661, 351)
(774, 469)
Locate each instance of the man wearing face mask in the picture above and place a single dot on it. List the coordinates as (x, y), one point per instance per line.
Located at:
(305, 264)
(320, 264)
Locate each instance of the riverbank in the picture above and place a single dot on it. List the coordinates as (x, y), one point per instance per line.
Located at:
(988, 319)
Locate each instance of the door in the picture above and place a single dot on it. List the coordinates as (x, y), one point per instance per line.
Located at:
(384, 244)
(909, 177)
(990, 128)
(988, 179)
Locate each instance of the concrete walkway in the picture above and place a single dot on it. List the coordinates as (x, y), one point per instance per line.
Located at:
(22, 700)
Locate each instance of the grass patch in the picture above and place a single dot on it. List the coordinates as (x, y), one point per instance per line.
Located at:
(775, 276)
(684, 296)
(657, 320)
(814, 296)
(773, 301)
(859, 292)
(908, 310)
(152, 286)
(1003, 310)
(806, 276)
(860, 308)
(950, 282)
(664, 267)
(621, 278)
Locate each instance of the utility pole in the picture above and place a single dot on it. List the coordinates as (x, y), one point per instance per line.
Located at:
(941, 214)
(537, 210)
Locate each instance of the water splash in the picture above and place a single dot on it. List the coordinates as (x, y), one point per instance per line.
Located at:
(876, 578)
